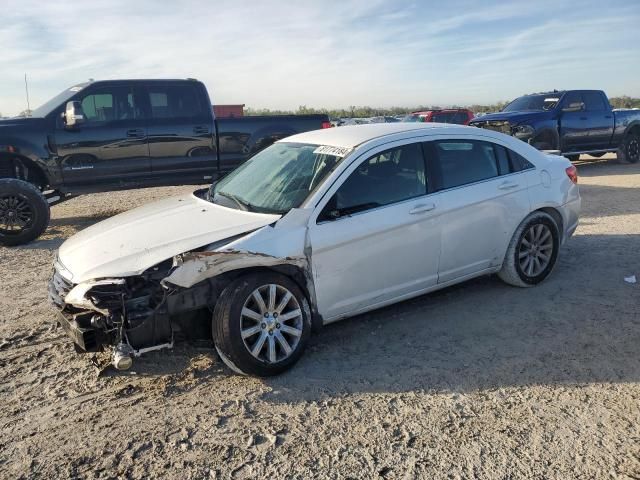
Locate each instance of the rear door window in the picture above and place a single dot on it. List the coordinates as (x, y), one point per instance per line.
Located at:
(594, 102)
(175, 102)
(461, 162)
(444, 117)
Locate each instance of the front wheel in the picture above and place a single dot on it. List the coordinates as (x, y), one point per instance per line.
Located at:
(24, 212)
(261, 324)
(532, 252)
(629, 151)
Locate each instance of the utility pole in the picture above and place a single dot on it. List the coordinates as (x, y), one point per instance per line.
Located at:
(26, 88)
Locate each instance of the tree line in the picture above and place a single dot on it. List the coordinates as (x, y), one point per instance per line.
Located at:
(365, 111)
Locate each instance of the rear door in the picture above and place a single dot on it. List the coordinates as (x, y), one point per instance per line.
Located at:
(482, 198)
(600, 119)
(180, 126)
(110, 146)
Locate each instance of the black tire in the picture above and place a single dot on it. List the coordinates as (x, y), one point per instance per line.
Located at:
(629, 150)
(21, 203)
(512, 271)
(572, 158)
(227, 325)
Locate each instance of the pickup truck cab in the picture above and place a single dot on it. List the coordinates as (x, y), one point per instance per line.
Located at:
(122, 134)
(574, 122)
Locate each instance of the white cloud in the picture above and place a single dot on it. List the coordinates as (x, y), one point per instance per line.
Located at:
(281, 54)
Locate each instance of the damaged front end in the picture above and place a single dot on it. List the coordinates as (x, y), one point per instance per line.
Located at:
(141, 313)
(129, 314)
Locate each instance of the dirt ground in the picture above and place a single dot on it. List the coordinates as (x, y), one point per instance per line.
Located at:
(481, 380)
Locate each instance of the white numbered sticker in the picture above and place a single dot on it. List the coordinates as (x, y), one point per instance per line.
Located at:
(329, 150)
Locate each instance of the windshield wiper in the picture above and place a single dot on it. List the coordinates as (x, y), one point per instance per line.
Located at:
(243, 205)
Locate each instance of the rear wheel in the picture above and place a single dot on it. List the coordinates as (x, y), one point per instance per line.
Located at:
(24, 212)
(629, 151)
(261, 324)
(532, 252)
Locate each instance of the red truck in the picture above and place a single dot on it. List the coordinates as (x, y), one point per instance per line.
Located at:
(460, 116)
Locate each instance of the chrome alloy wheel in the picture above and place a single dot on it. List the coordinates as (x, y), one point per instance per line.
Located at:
(536, 250)
(271, 323)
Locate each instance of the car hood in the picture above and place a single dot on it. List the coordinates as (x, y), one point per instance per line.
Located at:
(514, 118)
(131, 242)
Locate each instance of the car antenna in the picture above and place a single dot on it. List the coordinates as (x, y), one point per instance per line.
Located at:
(26, 88)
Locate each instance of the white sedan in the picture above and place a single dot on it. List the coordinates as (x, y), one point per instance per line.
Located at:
(318, 227)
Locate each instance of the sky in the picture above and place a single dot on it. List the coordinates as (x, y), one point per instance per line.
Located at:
(323, 53)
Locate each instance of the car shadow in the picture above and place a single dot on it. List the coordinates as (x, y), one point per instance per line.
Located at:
(581, 326)
(60, 229)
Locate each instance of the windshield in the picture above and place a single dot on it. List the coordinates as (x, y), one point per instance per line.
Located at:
(412, 118)
(278, 178)
(55, 102)
(533, 103)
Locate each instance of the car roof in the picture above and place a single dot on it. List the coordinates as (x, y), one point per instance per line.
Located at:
(353, 135)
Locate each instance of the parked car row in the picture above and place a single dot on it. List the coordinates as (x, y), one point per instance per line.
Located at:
(458, 116)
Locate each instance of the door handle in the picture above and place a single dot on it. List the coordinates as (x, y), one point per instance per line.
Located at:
(507, 185)
(135, 133)
(583, 118)
(200, 130)
(426, 207)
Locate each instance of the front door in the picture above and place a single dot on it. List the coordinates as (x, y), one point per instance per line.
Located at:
(375, 239)
(110, 146)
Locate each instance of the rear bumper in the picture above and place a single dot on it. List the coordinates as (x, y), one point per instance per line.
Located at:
(571, 213)
(84, 336)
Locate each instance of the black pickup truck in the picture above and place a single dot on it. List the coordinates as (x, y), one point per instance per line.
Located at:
(122, 134)
(572, 121)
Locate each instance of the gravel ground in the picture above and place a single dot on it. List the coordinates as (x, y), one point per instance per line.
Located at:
(477, 381)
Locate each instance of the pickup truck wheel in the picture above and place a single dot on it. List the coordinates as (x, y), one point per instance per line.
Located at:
(572, 158)
(24, 212)
(532, 252)
(261, 324)
(629, 151)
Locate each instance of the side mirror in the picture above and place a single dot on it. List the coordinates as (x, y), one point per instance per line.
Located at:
(574, 107)
(73, 115)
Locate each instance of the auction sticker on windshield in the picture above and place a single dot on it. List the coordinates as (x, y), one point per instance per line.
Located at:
(329, 150)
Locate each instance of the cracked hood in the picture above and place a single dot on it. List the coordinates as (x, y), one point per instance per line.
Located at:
(131, 242)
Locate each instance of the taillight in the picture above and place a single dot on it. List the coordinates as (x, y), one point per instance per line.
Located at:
(326, 125)
(572, 173)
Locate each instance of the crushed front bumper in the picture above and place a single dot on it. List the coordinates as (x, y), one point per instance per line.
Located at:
(85, 337)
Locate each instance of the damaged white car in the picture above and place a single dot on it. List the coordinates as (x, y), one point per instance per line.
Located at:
(318, 227)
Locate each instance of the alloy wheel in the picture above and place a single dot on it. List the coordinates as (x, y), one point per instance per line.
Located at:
(536, 250)
(16, 214)
(633, 150)
(271, 323)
